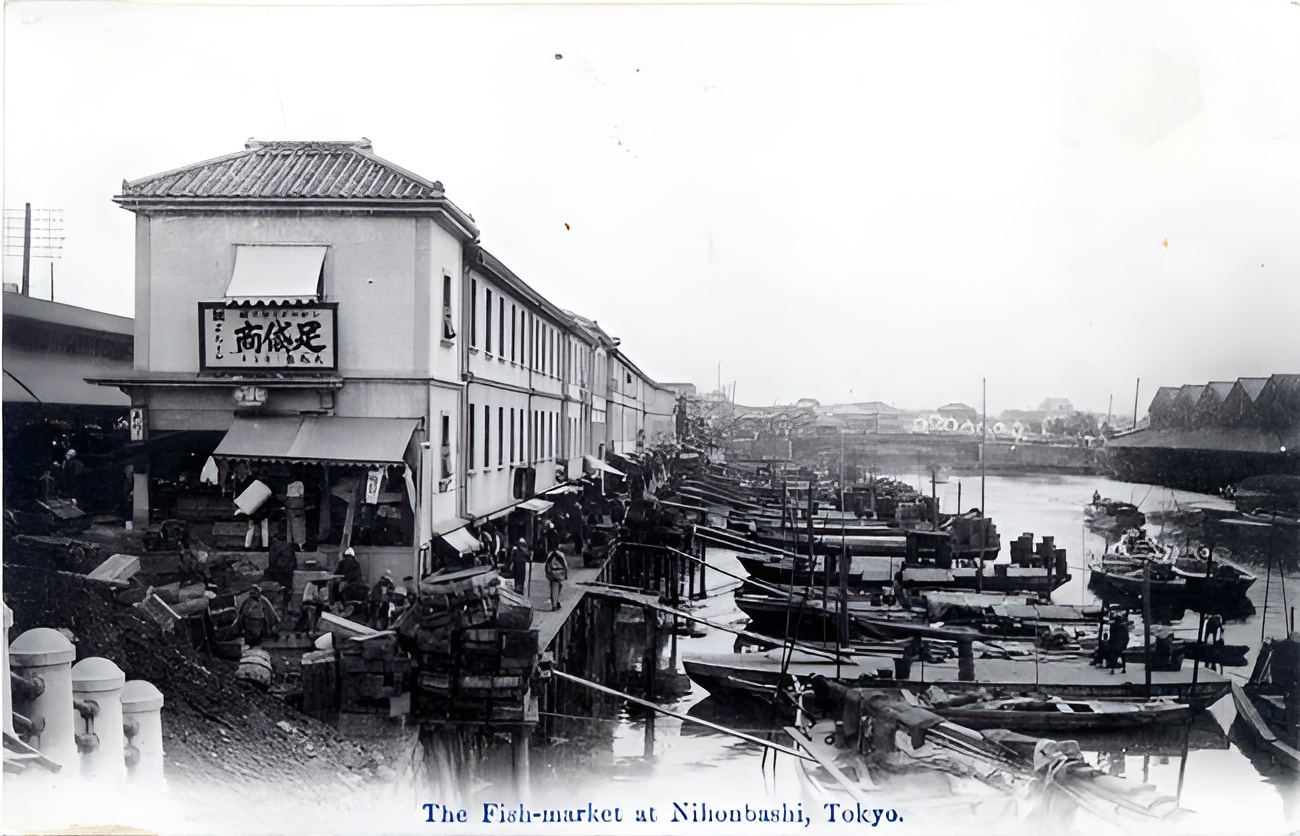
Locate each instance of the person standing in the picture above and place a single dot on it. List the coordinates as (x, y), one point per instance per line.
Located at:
(258, 619)
(519, 564)
(557, 571)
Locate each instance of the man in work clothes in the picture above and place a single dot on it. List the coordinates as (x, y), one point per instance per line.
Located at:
(519, 564)
(258, 619)
(557, 571)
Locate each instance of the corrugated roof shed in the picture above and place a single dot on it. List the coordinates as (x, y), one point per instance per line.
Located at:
(1278, 404)
(1238, 408)
(1252, 386)
(1161, 405)
(1237, 440)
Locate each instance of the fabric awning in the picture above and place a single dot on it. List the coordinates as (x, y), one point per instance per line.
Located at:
(319, 438)
(279, 273)
(535, 505)
(596, 464)
(52, 377)
(461, 540)
(563, 489)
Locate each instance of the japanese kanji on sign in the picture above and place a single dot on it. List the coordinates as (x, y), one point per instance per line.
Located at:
(266, 337)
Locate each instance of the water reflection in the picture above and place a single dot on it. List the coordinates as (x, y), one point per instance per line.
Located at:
(1217, 775)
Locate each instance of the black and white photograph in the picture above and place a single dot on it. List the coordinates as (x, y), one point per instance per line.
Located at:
(607, 418)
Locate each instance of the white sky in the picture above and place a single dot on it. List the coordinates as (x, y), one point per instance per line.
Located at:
(841, 202)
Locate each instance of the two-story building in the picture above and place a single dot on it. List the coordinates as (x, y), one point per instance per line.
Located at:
(317, 319)
(296, 320)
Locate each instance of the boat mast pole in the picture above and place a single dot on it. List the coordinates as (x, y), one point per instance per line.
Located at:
(984, 435)
(1146, 622)
(844, 565)
(1268, 580)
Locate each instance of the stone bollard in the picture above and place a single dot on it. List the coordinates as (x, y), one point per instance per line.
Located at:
(142, 716)
(97, 683)
(45, 656)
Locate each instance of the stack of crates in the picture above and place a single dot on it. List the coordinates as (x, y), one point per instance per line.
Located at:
(373, 674)
(476, 649)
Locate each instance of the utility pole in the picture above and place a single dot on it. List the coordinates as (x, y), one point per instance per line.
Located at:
(27, 250)
(1136, 390)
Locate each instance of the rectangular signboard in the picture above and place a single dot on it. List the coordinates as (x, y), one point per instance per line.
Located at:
(296, 338)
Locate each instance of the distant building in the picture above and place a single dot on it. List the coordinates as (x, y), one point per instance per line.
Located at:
(1056, 405)
(1206, 436)
(49, 350)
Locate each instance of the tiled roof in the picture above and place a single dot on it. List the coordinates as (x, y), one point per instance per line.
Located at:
(290, 170)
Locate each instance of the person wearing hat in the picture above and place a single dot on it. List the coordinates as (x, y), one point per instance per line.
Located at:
(348, 567)
(258, 619)
(315, 597)
(519, 564)
(557, 571)
(398, 603)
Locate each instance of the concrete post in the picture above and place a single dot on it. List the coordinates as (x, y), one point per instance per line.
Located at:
(140, 499)
(142, 711)
(8, 686)
(47, 655)
(98, 682)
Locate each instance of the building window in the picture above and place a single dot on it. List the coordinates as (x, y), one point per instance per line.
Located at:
(512, 435)
(473, 312)
(501, 435)
(514, 331)
(487, 436)
(501, 329)
(487, 319)
(446, 447)
(550, 435)
(448, 332)
(471, 436)
(522, 450)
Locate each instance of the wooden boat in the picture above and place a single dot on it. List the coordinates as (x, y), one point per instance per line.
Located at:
(1113, 515)
(1041, 712)
(878, 571)
(1172, 576)
(779, 569)
(746, 675)
(1268, 705)
(871, 734)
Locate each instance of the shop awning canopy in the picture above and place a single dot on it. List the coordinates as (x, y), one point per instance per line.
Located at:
(596, 464)
(319, 439)
(560, 490)
(535, 505)
(461, 540)
(276, 273)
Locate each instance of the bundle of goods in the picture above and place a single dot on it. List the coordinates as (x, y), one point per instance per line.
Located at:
(475, 649)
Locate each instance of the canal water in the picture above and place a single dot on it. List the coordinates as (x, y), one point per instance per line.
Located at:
(1231, 788)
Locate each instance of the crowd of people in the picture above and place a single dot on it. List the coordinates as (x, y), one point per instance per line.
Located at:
(579, 527)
